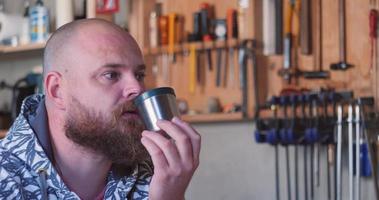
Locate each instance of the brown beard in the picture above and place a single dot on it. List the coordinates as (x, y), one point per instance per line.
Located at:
(117, 138)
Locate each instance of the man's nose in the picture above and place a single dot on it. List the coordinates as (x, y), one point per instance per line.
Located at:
(132, 89)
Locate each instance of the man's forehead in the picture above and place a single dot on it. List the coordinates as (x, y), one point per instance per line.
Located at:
(109, 46)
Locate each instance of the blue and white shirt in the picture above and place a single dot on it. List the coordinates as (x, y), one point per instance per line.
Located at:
(26, 171)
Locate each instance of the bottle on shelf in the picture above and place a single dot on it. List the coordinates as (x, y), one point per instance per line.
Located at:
(39, 22)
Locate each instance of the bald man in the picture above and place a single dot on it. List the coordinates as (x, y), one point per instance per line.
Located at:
(83, 139)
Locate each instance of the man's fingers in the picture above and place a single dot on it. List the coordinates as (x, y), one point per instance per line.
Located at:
(157, 155)
(194, 135)
(166, 146)
(182, 140)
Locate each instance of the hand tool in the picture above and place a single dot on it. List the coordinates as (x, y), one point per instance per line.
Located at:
(373, 20)
(199, 64)
(267, 131)
(339, 154)
(231, 66)
(357, 152)
(313, 138)
(197, 32)
(220, 29)
(220, 32)
(342, 65)
(296, 72)
(153, 25)
(310, 137)
(206, 18)
(319, 73)
(274, 133)
(306, 27)
(163, 29)
(224, 66)
(232, 32)
(284, 102)
(293, 133)
(231, 23)
(316, 132)
(328, 138)
(350, 149)
(218, 67)
(278, 26)
(179, 29)
(269, 27)
(289, 6)
(329, 162)
(373, 24)
(369, 102)
(246, 51)
(172, 18)
(292, 8)
(305, 153)
(192, 68)
(209, 53)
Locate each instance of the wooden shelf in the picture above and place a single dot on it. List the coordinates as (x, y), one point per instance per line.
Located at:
(214, 117)
(186, 46)
(2, 133)
(21, 48)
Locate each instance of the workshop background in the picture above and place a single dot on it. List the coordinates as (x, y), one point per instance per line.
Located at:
(304, 71)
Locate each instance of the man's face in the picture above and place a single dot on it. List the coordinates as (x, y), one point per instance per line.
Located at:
(107, 73)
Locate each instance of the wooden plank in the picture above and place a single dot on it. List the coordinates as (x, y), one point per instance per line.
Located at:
(179, 48)
(216, 117)
(21, 48)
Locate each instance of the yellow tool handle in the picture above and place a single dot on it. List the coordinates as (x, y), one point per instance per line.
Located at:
(171, 32)
(192, 68)
(288, 9)
(296, 18)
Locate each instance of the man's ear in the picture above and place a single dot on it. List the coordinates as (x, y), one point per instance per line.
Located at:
(54, 89)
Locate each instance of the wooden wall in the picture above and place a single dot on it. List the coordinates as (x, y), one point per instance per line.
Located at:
(360, 78)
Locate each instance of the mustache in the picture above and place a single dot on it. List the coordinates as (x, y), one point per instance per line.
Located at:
(128, 106)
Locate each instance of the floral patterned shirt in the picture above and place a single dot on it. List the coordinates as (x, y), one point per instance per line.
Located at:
(26, 171)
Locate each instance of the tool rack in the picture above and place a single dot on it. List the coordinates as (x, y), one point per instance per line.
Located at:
(361, 78)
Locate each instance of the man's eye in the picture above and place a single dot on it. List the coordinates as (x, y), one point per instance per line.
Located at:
(140, 76)
(111, 75)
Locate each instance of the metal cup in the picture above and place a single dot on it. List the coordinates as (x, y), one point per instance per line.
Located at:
(156, 104)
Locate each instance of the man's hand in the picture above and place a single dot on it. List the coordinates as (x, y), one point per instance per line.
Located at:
(175, 160)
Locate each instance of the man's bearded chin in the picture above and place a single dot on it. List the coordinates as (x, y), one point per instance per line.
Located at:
(117, 138)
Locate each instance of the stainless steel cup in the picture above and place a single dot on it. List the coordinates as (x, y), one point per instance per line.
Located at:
(155, 104)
